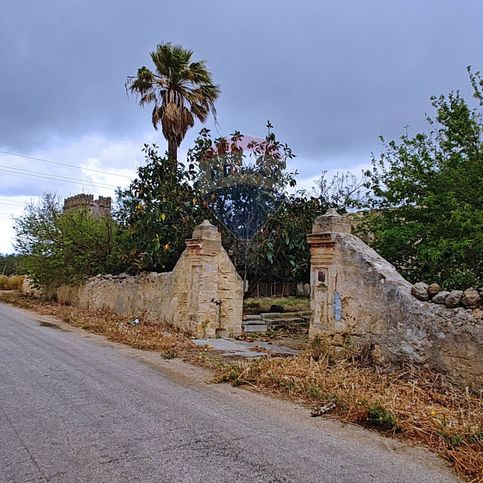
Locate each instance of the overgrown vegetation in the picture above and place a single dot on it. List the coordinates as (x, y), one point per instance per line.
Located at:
(428, 192)
(263, 304)
(409, 404)
(12, 282)
(157, 213)
(242, 182)
(66, 247)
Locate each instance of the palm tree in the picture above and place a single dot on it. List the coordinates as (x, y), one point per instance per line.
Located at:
(180, 89)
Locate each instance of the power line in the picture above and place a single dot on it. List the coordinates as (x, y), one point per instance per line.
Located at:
(12, 203)
(13, 173)
(33, 174)
(57, 180)
(65, 164)
(41, 173)
(10, 199)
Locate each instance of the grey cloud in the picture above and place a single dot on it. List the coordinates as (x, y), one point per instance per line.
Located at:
(331, 76)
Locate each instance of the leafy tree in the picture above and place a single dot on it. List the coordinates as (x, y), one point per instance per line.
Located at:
(343, 190)
(64, 248)
(279, 251)
(428, 192)
(241, 181)
(180, 89)
(11, 264)
(158, 211)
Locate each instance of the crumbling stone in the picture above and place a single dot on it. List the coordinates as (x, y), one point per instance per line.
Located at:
(357, 293)
(470, 298)
(453, 299)
(420, 291)
(433, 289)
(203, 295)
(440, 297)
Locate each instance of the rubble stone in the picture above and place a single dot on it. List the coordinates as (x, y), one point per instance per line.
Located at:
(420, 291)
(440, 297)
(453, 299)
(470, 298)
(433, 289)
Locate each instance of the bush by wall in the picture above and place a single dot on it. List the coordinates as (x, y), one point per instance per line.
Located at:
(12, 282)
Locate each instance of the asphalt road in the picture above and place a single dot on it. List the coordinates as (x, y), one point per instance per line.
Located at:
(74, 407)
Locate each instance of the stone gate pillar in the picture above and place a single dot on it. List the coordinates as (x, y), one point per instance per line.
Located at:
(202, 251)
(325, 301)
(207, 289)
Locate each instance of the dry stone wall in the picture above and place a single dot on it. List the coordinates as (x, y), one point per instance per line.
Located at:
(203, 295)
(360, 301)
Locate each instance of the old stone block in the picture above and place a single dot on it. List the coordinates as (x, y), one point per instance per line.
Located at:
(252, 317)
(470, 298)
(440, 297)
(331, 222)
(420, 291)
(433, 289)
(453, 299)
(254, 328)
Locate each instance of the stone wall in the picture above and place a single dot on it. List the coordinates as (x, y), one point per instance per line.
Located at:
(29, 289)
(203, 295)
(360, 301)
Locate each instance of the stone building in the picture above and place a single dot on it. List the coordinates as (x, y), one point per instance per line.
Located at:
(99, 207)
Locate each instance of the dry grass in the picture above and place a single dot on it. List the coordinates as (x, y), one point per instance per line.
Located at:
(12, 282)
(147, 336)
(408, 404)
(258, 305)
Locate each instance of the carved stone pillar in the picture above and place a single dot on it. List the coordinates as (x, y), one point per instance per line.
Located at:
(208, 289)
(325, 301)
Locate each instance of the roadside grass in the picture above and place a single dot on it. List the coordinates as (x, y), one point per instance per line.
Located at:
(409, 404)
(168, 341)
(258, 305)
(11, 282)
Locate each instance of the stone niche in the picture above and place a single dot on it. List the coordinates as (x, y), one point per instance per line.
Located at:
(359, 301)
(203, 295)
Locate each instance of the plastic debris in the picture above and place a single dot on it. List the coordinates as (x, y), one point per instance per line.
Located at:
(322, 409)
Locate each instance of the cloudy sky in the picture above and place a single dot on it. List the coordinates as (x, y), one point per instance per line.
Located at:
(330, 75)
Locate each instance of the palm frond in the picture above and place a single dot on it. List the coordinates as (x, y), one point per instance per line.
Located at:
(180, 89)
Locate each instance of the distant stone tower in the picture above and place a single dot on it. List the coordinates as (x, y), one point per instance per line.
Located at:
(99, 207)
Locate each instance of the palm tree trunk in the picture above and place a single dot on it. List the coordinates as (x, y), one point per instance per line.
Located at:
(173, 151)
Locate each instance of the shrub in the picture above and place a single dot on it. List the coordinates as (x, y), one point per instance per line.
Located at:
(380, 418)
(13, 282)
